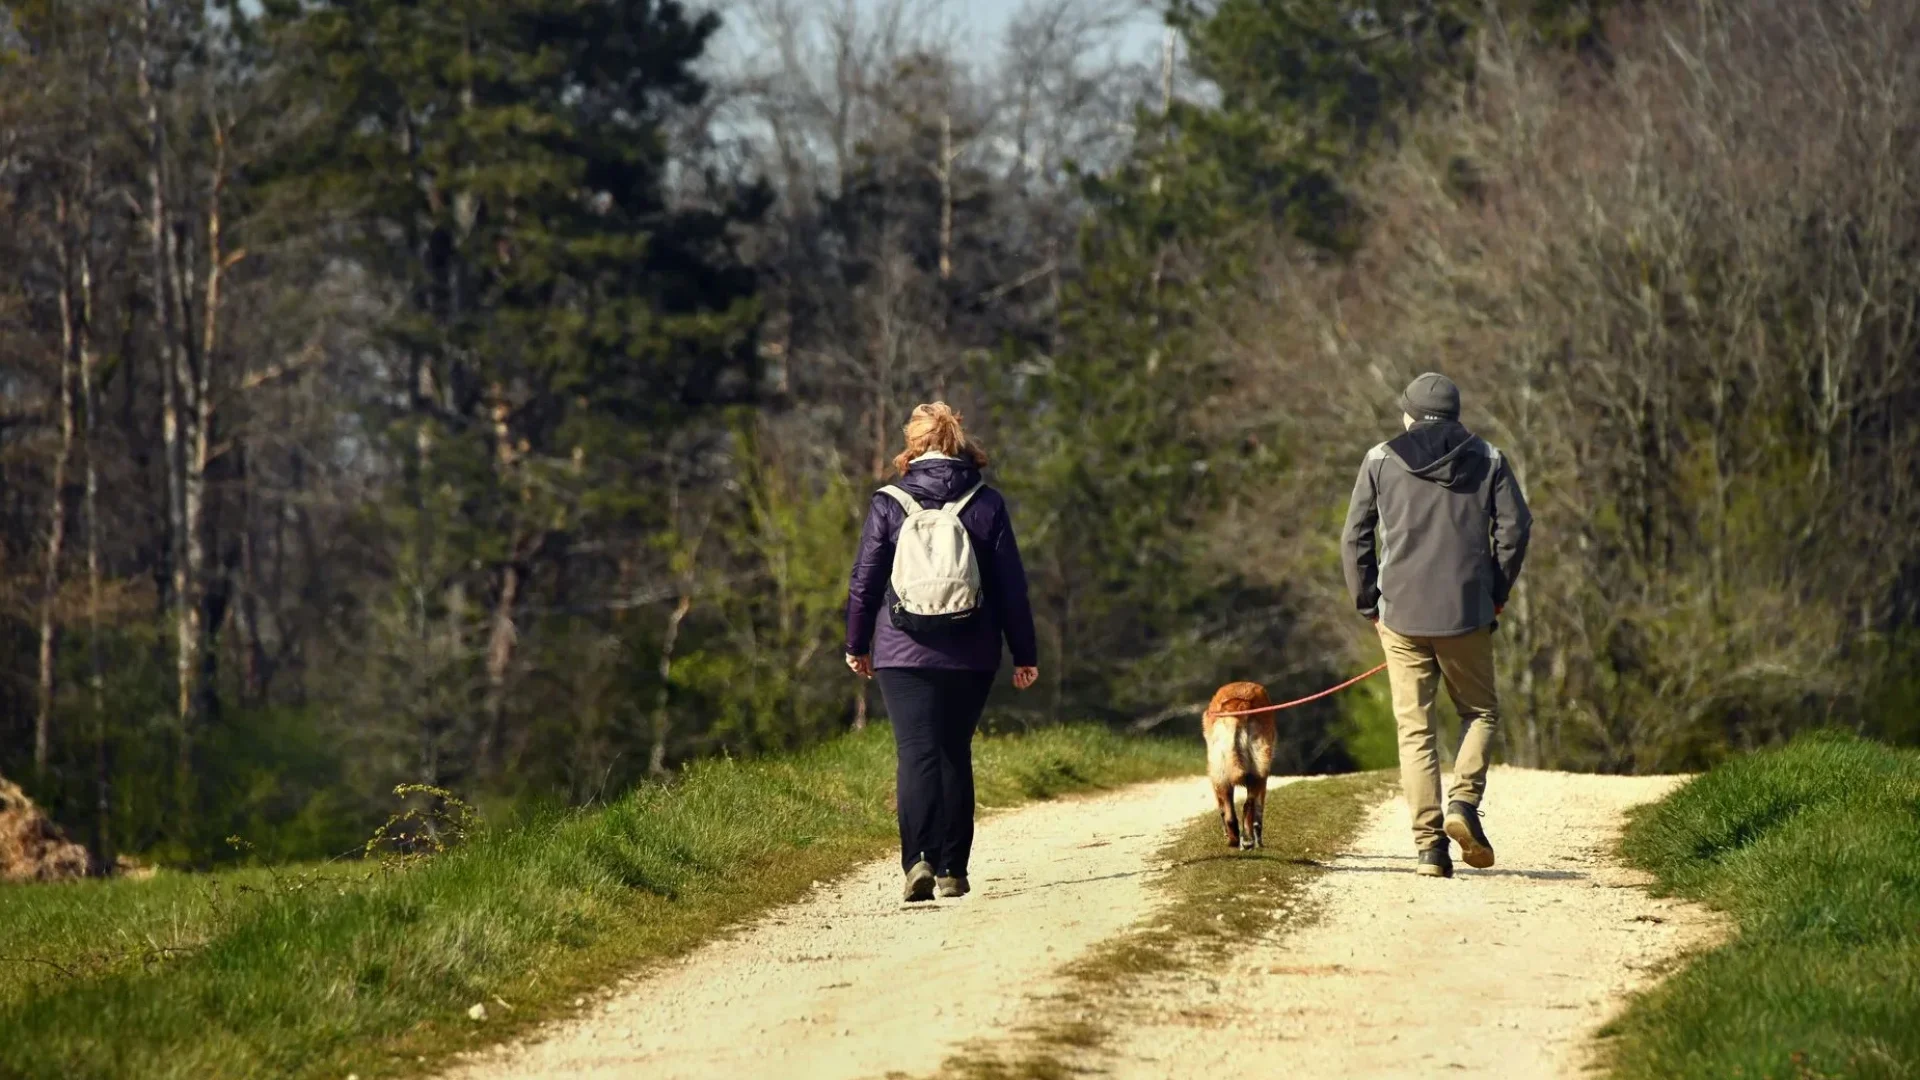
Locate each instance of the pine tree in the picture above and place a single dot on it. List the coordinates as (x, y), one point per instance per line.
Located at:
(1131, 420)
(502, 169)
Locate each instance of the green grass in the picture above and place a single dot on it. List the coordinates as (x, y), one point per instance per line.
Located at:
(53, 935)
(355, 969)
(1217, 900)
(1814, 849)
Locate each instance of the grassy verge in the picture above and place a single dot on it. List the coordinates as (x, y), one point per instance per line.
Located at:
(1216, 900)
(356, 970)
(1814, 849)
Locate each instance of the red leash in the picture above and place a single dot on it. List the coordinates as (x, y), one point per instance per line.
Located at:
(1302, 701)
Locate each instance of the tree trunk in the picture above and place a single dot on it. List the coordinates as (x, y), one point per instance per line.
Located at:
(1532, 754)
(502, 634)
(172, 435)
(663, 704)
(946, 196)
(254, 663)
(879, 432)
(1063, 617)
(1167, 45)
(103, 854)
(422, 388)
(205, 608)
(57, 512)
(500, 642)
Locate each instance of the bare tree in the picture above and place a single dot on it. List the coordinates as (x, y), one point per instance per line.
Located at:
(1690, 322)
(71, 344)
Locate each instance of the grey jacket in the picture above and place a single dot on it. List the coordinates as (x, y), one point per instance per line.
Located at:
(1436, 532)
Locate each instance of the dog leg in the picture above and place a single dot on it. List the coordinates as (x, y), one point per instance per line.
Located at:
(1249, 837)
(1223, 796)
(1257, 809)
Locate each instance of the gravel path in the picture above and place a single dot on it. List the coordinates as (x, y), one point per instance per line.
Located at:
(850, 982)
(1503, 972)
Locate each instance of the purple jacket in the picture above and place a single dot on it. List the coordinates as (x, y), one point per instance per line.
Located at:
(975, 647)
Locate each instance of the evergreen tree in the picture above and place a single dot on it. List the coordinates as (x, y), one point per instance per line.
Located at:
(502, 169)
(1132, 421)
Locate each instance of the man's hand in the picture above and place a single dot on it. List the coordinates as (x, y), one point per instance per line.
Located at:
(1024, 677)
(860, 665)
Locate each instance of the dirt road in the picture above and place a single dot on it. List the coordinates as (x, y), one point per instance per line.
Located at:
(852, 983)
(1504, 972)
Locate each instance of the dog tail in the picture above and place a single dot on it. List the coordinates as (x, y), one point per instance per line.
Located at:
(1243, 748)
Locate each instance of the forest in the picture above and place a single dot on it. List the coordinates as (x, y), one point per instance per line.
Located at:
(486, 394)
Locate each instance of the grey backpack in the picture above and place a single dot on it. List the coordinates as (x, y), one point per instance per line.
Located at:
(935, 585)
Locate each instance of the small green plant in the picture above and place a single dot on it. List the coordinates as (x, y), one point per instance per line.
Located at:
(422, 830)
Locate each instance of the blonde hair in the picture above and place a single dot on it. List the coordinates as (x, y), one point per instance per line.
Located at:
(935, 429)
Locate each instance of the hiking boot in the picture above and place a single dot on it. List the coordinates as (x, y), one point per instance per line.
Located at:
(919, 883)
(952, 885)
(1435, 862)
(1463, 825)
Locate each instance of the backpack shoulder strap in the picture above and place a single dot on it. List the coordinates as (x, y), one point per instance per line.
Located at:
(960, 503)
(907, 502)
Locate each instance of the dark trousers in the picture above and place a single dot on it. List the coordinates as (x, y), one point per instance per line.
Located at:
(934, 714)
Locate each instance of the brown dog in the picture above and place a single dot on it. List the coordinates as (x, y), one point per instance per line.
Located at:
(1239, 751)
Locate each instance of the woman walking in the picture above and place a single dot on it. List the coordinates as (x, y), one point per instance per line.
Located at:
(926, 619)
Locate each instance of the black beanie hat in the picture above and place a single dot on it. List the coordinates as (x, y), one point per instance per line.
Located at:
(1431, 397)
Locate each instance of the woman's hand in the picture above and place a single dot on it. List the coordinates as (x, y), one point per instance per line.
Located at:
(861, 665)
(1024, 677)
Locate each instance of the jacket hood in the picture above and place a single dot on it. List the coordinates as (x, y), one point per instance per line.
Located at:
(939, 479)
(1441, 452)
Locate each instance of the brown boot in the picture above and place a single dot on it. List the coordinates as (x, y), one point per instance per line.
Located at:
(1463, 824)
(953, 885)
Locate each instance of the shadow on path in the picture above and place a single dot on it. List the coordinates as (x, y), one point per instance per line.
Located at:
(1072, 881)
(1461, 870)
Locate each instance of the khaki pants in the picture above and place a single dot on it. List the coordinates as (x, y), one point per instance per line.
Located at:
(1415, 667)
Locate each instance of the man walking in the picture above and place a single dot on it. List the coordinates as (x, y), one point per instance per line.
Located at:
(1435, 536)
